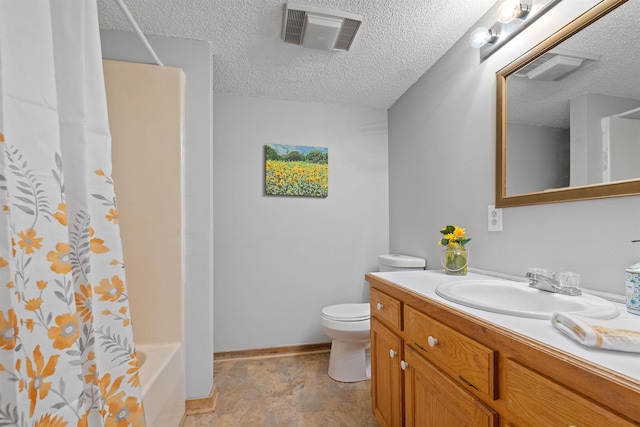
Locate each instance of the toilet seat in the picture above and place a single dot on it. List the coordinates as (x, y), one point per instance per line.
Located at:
(347, 312)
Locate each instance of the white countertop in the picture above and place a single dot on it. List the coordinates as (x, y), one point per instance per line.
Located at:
(424, 282)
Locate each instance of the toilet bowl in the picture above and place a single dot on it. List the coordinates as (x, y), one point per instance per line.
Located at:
(348, 326)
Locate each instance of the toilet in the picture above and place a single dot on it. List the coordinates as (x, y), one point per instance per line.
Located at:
(348, 325)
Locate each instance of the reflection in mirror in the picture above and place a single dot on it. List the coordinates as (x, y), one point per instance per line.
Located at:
(569, 112)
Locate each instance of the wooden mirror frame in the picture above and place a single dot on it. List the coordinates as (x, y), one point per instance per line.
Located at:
(595, 191)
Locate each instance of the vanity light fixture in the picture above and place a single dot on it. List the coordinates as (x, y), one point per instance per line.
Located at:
(513, 17)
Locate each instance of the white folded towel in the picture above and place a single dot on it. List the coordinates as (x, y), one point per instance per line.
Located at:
(621, 334)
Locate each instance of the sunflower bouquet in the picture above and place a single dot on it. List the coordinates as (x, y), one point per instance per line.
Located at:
(454, 236)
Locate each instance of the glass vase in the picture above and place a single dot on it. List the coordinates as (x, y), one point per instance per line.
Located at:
(455, 260)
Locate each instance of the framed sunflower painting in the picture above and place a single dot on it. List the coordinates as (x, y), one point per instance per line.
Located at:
(295, 170)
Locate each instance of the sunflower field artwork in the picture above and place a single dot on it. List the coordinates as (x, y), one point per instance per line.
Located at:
(295, 170)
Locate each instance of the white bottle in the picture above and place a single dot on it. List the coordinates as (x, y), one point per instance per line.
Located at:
(633, 288)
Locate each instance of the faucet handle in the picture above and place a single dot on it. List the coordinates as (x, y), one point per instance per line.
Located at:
(538, 271)
(568, 279)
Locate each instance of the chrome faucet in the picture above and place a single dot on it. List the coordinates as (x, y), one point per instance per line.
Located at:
(545, 281)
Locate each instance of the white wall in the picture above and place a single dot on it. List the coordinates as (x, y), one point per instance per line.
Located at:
(279, 260)
(622, 143)
(537, 158)
(442, 171)
(587, 111)
(194, 57)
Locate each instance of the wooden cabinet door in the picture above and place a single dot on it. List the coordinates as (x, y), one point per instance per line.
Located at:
(432, 399)
(534, 400)
(386, 375)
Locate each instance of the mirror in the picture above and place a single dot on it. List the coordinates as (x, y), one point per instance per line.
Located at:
(568, 112)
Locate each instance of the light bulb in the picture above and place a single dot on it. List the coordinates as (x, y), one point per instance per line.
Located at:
(481, 36)
(512, 9)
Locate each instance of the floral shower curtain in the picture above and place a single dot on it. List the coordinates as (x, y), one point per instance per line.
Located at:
(67, 356)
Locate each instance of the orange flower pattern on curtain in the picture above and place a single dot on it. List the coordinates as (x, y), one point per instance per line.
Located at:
(67, 356)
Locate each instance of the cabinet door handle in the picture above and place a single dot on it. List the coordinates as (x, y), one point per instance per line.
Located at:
(392, 353)
(379, 306)
(432, 341)
(404, 365)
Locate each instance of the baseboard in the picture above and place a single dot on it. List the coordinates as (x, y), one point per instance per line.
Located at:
(203, 405)
(273, 351)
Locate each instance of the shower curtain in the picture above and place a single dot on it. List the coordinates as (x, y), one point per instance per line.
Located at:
(67, 356)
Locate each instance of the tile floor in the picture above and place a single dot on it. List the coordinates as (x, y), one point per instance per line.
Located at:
(285, 391)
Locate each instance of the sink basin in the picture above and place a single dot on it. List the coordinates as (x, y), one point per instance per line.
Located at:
(518, 299)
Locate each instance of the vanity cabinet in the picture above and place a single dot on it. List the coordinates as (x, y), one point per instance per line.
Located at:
(434, 365)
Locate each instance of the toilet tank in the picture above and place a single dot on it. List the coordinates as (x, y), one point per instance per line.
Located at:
(396, 262)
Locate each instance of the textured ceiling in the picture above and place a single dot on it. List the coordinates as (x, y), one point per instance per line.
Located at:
(616, 40)
(397, 42)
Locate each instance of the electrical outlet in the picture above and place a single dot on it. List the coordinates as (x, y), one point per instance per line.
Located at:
(494, 219)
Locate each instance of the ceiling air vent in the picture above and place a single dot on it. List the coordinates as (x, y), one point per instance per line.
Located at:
(556, 64)
(319, 28)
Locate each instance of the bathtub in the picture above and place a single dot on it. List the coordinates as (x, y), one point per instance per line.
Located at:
(162, 381)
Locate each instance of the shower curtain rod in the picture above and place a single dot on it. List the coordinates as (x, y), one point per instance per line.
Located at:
(135, 26)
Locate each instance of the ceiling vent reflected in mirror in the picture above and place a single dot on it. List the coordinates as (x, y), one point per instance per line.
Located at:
(556, 64)
(319, 28)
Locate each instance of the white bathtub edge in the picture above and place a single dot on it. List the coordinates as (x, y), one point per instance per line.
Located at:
(162, 381)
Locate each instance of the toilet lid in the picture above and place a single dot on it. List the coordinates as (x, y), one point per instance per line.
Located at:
(347, 312)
